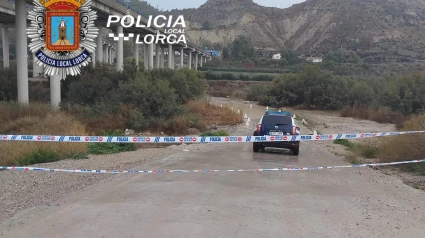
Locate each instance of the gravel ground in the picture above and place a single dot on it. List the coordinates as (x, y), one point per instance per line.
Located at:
(23, 190)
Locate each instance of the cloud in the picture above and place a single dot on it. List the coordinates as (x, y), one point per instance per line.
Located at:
(180, 4)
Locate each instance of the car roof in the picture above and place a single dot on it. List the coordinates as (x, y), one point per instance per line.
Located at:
(277, 116)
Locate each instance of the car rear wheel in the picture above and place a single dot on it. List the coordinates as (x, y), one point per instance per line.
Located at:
(296, 151)
(256, 148)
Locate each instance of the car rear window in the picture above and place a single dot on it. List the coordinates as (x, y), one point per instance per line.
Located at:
(274, 120)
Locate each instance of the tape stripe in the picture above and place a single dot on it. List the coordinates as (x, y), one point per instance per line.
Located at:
(209, 139)
(208, 170)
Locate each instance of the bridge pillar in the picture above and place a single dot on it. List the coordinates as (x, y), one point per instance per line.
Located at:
(170, 56)
(22, 51)
(136, 54)
(158, 56)
(201, 59)
(5, 40)
(174, 60)
(99, 47)
(107, 53)
(189, 63)
(181, 59)
(55, 91)
(145, 56)
(111, 55)
(196, 61)
(162, 57)
(120, 49)
(150, 46)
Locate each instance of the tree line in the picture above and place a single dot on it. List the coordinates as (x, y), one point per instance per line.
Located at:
(319, 89)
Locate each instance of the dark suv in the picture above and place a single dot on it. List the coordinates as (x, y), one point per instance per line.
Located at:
(277, 124)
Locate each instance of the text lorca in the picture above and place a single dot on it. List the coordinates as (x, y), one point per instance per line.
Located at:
(161, 38)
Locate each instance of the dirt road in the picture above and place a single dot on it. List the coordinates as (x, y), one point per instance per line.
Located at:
(331, 203)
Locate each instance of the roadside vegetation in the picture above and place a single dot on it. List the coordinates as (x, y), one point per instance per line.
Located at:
(218, 75)
(215, 133)
(102, 101)
(386, 100)
(391, 149)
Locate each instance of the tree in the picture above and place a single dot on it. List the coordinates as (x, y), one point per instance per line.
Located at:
(334, 56)
(289, 57)
(226, 53)
(242, 49)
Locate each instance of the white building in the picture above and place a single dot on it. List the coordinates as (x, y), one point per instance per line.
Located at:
(277, 56)
(315, 59)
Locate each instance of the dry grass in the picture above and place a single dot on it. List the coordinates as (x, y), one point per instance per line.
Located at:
(214, 115)
(405, 147)
(382, 115)
(37, 119)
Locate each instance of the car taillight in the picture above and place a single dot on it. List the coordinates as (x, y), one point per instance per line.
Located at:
(294, 130)
(259, 128)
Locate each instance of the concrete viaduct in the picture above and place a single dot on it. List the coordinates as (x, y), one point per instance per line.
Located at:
(13, 14)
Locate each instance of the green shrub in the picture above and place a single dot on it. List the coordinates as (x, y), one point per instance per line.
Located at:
(110, 148)
(317, 89)
(39, 156)
(350, 145)
(106, 99)
(216, 133)
(415, 168)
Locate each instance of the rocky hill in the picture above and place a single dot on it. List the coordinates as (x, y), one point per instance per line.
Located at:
(315, 26)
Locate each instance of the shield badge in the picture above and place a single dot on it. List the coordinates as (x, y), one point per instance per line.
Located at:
(62, 35)
(62, 30)
(276, 127)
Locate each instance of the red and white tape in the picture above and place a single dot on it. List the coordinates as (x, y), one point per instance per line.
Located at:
(93, 171)
(197, 139)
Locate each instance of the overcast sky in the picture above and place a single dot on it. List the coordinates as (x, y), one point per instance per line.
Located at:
(180, 4)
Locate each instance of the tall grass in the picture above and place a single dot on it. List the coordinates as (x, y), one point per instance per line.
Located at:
(406, 147)
(381, 115)
(36, 119)
(214, 115)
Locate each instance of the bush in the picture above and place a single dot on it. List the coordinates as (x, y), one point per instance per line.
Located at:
(345, 143)
(136, 100)
(215, 133)
(110, 148)
(37, 157)
(238, 76)
(383, 99)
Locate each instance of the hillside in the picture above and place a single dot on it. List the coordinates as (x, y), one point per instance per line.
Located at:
(315, 26)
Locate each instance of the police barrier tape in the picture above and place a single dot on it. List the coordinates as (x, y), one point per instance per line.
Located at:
(205, 170)
(206, 139)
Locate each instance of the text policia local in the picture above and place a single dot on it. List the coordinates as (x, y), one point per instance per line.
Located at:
(173, 26)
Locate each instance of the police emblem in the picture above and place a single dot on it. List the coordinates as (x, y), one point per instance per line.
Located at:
(62, 35)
